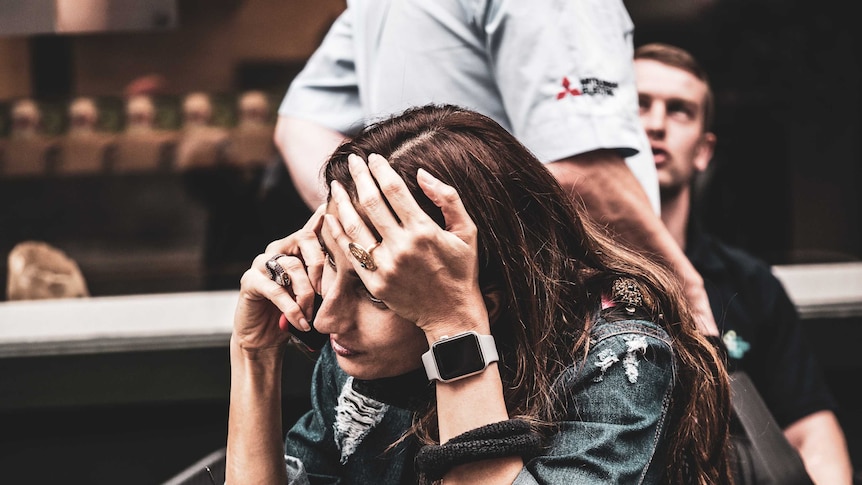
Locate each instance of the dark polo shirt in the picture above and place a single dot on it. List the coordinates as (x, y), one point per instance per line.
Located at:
(760, 328)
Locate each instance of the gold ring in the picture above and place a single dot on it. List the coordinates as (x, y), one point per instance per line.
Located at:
(363, 255)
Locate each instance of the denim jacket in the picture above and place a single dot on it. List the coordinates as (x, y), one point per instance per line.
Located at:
(613, 433)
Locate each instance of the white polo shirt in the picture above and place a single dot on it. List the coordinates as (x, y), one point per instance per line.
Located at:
(558, 74)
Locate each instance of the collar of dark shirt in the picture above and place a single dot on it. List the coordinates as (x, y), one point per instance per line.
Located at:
(410, 391)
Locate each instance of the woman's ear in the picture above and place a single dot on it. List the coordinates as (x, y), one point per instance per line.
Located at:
(493, 297)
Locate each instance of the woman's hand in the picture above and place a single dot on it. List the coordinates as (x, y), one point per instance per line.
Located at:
(262, 301)
(425, 274)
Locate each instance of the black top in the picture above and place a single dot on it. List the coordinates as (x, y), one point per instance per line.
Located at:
(760, 327)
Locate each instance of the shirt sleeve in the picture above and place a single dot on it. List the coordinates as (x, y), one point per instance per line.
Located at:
(326, 91)
(566, 74)
(617, 410)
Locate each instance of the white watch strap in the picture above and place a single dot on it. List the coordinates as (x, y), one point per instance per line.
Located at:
(487, 345)
(489, 348)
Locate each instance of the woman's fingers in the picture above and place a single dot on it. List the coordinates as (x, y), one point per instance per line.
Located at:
(369, 198)
(302, 289)
(351, 227)
(304, 264)
(447, 199)
(395, 191)
(285, 296)
(350, 233)
(312, 254)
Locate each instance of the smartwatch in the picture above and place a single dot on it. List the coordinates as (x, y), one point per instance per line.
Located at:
(465, 354)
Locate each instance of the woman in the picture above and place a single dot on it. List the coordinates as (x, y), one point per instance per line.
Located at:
(439, 222)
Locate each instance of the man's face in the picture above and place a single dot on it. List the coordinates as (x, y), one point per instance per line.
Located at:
(672, 112)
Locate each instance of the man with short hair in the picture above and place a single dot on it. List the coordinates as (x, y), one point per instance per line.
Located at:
(758, 323)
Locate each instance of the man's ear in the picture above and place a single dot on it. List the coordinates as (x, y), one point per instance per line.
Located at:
(493, 297)
(704, 151)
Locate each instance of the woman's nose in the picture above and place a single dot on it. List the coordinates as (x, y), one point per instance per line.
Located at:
(336, 311)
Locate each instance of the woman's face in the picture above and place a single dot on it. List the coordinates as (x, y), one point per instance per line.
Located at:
(369, 340)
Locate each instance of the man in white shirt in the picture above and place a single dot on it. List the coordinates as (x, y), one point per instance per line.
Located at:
(558, 75)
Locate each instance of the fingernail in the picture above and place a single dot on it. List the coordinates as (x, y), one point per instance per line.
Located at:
(335, 188)
(303, 323)
(426, 177)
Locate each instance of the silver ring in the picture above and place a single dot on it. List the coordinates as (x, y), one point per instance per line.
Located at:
(363, 255)
(276, 272)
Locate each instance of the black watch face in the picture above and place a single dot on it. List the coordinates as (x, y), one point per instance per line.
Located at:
(458, 357)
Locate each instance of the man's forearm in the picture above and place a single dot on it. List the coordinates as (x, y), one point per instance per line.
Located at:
(612, 196)
(305, 146)
(821, 444)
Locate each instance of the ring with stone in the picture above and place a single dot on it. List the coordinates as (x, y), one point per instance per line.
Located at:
(276, 272)
(363, 255)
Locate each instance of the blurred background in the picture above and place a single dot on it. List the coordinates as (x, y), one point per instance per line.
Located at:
(136, 138)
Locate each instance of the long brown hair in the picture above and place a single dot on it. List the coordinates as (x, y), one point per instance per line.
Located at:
(552, 265)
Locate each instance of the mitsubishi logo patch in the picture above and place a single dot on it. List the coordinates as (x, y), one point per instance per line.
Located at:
(567, 89)
(590, 86)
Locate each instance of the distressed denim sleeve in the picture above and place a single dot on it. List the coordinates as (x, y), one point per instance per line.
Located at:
(296, 474)
(617, 403)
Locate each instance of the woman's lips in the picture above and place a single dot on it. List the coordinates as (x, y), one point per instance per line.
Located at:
(340, 349)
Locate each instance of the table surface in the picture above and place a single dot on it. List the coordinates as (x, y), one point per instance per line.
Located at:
(204, 319)
(832, 290)
(116, 323)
